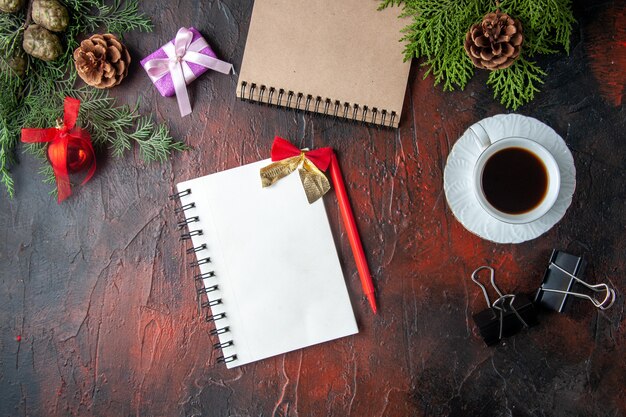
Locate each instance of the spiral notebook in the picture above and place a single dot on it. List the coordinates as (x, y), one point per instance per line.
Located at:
(266, 264)
(341, 58)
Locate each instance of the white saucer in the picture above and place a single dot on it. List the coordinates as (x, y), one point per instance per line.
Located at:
(457, 179)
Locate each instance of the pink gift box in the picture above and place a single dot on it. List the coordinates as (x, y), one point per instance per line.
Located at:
(191, 71)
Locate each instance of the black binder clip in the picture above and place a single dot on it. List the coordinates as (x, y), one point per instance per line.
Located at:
(506, 316)
(562, 281)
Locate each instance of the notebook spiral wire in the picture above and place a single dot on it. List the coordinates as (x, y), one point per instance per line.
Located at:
(203, 291)
(330, 107)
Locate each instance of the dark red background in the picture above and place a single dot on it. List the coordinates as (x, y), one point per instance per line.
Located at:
(98, 290)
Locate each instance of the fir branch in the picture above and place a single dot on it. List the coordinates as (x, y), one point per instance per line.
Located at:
(155, 142)
(5, 162)
(436, 35)
(517, 84)
(49, 178)
(12, 28)
(118, 16)
(454, 71)
(5, 178)
(389, 3)
(121, 126)
(547, 24)
(38, 150)
(437, 30)
(10, 87)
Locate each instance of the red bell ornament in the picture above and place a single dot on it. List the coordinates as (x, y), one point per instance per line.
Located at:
(69, 148)
(78, 157)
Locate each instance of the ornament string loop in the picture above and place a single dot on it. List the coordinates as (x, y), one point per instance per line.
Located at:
(60, 138)
(310, 164)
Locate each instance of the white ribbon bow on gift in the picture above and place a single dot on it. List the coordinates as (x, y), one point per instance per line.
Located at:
(179, 54)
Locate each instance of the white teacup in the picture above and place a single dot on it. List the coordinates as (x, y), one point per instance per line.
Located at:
(490, 148)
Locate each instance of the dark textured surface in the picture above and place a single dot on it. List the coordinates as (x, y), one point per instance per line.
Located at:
(98, 291)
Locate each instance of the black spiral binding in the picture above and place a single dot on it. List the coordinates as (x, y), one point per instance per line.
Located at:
(226, 359)
(214, 317)
(203, 290)
(182, 224)
(199, 262)
(331, 107)
(196, 249)
(200, 277)
(223, 345)
(187, 236)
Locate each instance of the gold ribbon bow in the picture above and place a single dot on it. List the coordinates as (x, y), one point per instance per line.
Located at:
(313, 179)
(288, 158)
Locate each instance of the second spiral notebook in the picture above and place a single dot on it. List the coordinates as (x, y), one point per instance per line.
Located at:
(268, 266)
(341, 58)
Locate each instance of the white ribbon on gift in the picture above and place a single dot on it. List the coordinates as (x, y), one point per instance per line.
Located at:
(179, 54)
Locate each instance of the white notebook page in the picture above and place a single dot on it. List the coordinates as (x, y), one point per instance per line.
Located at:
(275, 262)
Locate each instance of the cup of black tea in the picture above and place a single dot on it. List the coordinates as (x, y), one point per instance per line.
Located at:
(516, 180)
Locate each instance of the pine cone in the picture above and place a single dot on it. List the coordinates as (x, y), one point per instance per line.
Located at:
(495, 43)
(102, 61)
(50, 14)
(40, 43)
(11, 6)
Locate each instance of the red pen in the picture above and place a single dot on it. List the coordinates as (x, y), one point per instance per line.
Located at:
(353, 234)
